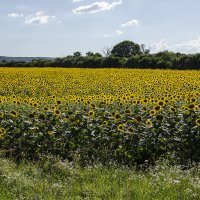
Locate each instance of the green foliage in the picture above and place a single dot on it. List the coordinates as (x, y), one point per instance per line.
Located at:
(175, 137)
(162, 60)
(126, 54)
(77, 54)
(126, 49)
(52, 178)
(111, 61)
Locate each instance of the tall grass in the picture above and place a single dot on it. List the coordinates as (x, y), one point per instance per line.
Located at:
(50, 179)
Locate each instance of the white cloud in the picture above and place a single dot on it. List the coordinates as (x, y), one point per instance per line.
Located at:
(38, 18)
(96, 7)
(162, 45)
(15, 15)
(188, 47)
(118, 32)
(132, 22)
(75, 1)
(192, 46)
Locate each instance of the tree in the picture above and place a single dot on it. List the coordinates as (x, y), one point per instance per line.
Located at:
(111, 62)
(107, 51)
(144, 50)
(98, 55)
(89, 53)
(126, 49)
(77, 54)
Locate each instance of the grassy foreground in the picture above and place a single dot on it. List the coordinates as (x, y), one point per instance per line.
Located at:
(60, 180)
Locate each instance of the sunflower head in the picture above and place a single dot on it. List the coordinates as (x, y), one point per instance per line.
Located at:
(197, 121)
(161, 103)
(191, 106)
(92, 105)
(50, 132)
(58, 102)
(120, 127)
(127, 112)
(57, 112)
(173, 109)
(152, 112)
(157, 108)
(117, 116)
(105, 123)
(2, 133)
(149, 123)
(91, 113)
(130, 129)
(138, 118)
(144, 109)
(45, 109)
(13, 113)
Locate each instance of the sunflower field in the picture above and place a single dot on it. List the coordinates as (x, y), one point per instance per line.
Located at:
(126, 116)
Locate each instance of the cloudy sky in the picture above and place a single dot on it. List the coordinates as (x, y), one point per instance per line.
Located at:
(58, 28)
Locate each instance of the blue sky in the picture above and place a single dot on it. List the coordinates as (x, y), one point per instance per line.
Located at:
(59, 28)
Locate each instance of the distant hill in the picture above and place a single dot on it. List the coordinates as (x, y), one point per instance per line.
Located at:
(25, 59)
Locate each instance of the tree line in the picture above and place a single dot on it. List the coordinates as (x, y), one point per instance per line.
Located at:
(126, 54)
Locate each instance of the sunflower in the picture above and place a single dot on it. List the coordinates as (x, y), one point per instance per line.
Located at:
(161, 103)
(120, 127)
(130, 129)
(91, 113)
(191, 106)
(193, 100)
(184, 108)
(157, 108)
(144, 109)
(1, 136)
(127, 112)
(13, 113)
(173, 109)
(2, 131)
(145, 100)
(134, 102)
(50, 132)
(57, 112)
(197, 121)
(66, 117)
(149, 123)
(152, 112)
(35, 105)
(58, 102)
(105, 123)
(45, 109)
(92, 105)
(138, 118)
(117, 116)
